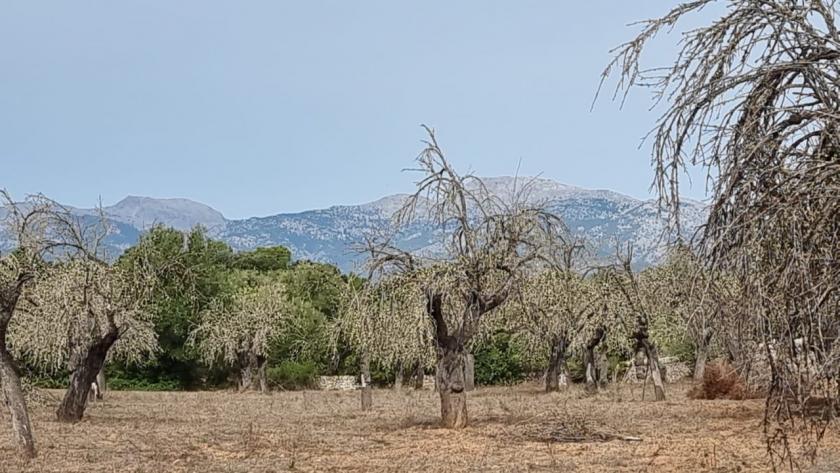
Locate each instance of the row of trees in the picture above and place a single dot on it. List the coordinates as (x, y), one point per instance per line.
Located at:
(176, 305)
(512, 266)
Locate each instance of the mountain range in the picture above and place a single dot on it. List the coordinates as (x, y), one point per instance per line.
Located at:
(603, 217)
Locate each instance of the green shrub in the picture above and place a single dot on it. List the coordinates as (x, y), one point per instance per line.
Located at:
(135, 384)
(500, 360)
(292, 375)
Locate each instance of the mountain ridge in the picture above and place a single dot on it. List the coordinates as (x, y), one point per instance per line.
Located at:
(603, 216)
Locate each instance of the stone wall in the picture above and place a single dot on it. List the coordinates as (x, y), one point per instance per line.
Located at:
(337, 383)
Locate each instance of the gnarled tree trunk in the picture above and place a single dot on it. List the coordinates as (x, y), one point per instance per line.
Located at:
(73, 405)
(451, 387)
(450, 369)
(654, 368)
(590, 363)
(9, 376)
(13, 395)
(556, 375)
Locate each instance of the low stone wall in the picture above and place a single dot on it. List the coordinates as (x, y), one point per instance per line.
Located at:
(675, 370)
(429, 382)
(337, 383)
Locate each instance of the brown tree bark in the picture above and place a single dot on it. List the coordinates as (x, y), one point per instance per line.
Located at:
(73, 406)
(364, 378)
(9, 375)
(555, 375)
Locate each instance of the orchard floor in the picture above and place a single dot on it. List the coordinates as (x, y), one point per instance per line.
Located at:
(512, 429)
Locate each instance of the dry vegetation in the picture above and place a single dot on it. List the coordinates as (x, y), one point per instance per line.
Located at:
(513, 429)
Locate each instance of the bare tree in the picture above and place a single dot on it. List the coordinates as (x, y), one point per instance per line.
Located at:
(492, 242)
(753, 97)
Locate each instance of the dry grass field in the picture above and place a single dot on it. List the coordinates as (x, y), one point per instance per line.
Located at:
(512, 429)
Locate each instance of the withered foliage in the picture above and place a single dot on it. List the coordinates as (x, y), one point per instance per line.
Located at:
(754, 98)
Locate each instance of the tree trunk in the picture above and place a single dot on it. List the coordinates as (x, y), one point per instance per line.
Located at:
(261, 363)
(13, 395)
(603, 370)
(246, 378)
(453, 398)
(590, 361)
(9, 376)
(555, 376)
(418, 375)
(251, 373)
(101, 384)
(654, 368)
(398, 377)
(701, 355)
(367, 395)
(469, 373)
(73, 405)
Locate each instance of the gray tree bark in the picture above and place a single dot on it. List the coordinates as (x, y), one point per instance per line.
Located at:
(9, 375)
(366, 394)
(555, 375)
(101, 384)
(469, 373)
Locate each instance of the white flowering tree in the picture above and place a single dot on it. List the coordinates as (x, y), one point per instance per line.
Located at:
(239, 332)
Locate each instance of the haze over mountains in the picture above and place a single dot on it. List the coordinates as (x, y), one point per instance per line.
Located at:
(329, 235)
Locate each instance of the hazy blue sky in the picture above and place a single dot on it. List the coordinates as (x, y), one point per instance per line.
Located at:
(257, 107)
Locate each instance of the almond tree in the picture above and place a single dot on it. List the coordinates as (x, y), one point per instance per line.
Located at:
(40, 228)
(385, 321)
(637, 308)
(239, 332)
(82, 313)
(491, 243)
(752, 97)
(552, 311)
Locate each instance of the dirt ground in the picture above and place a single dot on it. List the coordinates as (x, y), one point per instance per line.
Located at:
(512, 429)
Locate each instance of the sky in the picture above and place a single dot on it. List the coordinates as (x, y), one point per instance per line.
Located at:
(260, 107)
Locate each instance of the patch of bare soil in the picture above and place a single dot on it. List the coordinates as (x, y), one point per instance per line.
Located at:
(512, 429)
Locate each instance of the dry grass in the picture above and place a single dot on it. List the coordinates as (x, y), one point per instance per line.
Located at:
(512, 429)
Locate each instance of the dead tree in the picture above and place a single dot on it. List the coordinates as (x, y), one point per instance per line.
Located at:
(491, 242)
(753, 98)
